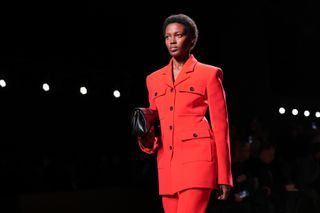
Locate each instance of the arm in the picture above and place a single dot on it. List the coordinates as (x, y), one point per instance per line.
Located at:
(150, 143)
(220, 127)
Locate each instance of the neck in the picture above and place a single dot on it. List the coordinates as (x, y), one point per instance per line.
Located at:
(181, 59)
(177, 63)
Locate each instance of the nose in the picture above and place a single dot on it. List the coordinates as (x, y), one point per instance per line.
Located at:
(172, 40)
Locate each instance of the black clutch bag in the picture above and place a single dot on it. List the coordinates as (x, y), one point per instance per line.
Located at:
(142, 120)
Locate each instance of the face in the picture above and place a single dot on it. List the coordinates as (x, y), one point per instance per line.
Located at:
(177, 41)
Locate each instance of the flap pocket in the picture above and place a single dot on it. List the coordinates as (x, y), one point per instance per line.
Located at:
(195, 89)
(195, 134)
(159, 92)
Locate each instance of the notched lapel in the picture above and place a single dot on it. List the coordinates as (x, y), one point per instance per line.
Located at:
(187, 69)
(167, 75)
(183, 75)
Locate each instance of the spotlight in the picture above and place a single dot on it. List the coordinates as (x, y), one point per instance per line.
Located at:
(295, 112)
(45, 87)
(116, 93)
(282, 110)
(83, 90)
(2, 83)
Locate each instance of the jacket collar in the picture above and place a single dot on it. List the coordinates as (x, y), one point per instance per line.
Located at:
(184, 74)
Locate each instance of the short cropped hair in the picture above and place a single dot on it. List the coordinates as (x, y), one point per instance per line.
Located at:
(189, 24)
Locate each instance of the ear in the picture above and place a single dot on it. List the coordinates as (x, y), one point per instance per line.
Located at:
(192, 43)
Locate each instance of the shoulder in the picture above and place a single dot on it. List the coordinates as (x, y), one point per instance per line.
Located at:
(154, 76)
(209, 70)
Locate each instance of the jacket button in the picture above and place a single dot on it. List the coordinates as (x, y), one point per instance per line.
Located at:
(171, 90)
(155, 94)
(171, 108)
(170, 147)
(191, 88)
(170, 127)
(195, 135)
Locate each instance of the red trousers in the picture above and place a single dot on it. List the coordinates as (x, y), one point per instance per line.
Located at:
(187, 201)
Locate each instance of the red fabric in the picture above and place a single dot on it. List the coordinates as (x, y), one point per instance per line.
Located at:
(194, 153)
(187, 201)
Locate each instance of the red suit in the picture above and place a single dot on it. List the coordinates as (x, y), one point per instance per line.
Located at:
(194, 153)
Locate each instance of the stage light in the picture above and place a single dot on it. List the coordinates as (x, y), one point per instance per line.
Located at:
(116, 94)
(295, 112)
(3, 83)
(317, 114)
(83, 90)
(45, 87)
(306, 113)
(282, 110)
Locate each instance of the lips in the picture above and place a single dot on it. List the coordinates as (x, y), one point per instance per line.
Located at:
(173, 49)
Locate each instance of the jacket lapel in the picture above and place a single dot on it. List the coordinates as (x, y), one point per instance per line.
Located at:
(187, 68)
(167, 74)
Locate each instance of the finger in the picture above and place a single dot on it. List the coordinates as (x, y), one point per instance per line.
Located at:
(224, 195)
(221, 196)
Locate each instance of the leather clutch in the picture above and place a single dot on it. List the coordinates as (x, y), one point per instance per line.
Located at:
(142, 120)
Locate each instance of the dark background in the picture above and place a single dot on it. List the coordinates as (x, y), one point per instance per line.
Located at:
(62, 141)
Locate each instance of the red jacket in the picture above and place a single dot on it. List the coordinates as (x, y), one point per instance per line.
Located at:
(194, 153)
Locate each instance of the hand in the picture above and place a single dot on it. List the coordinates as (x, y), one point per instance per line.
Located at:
(224, 192)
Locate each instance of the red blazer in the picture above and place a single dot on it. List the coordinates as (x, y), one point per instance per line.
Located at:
(194, 153)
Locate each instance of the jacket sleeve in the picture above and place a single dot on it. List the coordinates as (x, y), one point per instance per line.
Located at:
(152, 104)
(220, 126)
(151, 140)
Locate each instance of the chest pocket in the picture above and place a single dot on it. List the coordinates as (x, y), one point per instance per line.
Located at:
(159, 97)
(158, 93)
(193, 89)
(191, 97)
